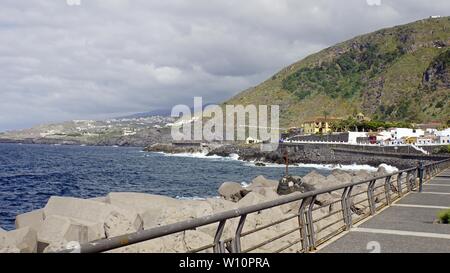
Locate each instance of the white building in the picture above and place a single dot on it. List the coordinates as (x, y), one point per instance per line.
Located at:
(352, 136)
(128, 132)
(445, 132)
(443, 139)
(425, 140)
(399, 133)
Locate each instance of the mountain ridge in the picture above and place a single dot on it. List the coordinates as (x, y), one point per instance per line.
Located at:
(400, 73)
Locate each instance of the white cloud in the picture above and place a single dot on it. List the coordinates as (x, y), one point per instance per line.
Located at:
(165, 74)
(107, 57)
(374, 2)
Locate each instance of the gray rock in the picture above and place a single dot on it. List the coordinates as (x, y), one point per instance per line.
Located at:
(57, 231)
(116, 221)
(261, 181)
(251, 198)
(313, 178)
(22, 240)
(232, 191)
(32, 219)
(342, 176)
(362, 175)
(268, 192)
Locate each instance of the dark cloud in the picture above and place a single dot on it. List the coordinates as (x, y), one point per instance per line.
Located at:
(110, 57)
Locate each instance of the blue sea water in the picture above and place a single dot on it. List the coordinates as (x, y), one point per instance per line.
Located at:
(30, 174)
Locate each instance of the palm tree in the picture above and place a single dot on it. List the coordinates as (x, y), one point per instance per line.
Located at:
(325, 114)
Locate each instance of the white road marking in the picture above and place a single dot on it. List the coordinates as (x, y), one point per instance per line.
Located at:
(440, 185)
(430, 192)
(419, 206)
(403, 233)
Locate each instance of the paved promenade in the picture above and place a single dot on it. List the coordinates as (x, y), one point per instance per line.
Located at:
(406, 226)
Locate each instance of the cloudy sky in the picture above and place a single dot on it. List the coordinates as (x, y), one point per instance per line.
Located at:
(77, 59)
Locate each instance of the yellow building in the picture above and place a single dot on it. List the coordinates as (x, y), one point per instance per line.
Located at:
(319, 125)
(411, 140)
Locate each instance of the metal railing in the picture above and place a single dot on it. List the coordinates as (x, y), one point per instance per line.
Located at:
(319, 215)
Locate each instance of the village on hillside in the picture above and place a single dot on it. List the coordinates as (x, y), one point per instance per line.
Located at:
(361, 130)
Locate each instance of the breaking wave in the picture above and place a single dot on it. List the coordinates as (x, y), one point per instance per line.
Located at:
(235, 157)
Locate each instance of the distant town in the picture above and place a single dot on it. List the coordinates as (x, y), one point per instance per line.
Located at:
(142, 131)
(361, 130)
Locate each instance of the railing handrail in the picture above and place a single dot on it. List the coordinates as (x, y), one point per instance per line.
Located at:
(156, 232)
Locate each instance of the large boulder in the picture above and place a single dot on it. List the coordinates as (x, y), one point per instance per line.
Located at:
(116, 221)
(188, 240)
(269, 193)
(361, 175)
(328, 200)
(261, 181)
(196, 239)
(332, 181)
(269, 234)
(140, 202)
(102, 199)
(327, 223)
(252, 198)
(220, 205)
(186, 210)
(32, 219)
(22, 240)
(147, 206)
(341, 176)
(313, 178)
(232, 191)
(57, 231)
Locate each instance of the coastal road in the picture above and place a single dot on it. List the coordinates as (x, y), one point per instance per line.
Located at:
(405, 227)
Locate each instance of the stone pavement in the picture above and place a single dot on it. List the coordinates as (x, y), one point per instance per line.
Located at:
(406, 226)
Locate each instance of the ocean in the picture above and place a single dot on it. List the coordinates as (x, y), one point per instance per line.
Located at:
(30, 174)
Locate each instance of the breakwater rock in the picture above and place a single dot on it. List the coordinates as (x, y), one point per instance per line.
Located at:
(319, 154)
(67, 219)
(170, 148)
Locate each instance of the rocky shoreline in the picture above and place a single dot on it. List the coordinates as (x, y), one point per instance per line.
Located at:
(68, 219)
(298, 154)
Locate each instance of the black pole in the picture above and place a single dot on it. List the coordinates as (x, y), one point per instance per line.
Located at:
(421, 171)
(286, 161)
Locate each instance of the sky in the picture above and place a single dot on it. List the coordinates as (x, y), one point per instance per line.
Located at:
(94, 59)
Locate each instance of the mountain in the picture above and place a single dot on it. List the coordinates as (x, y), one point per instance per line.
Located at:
(160, 112)
(394, 74)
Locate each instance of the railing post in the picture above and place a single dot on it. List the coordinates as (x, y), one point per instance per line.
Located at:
(302, 224)
(408, 181)
(236, 243)
(399, 184)
(346, 207)
(310, 224)
(387, 189)
(370, 197)
(416, 185)
(219, 246)
(421, 173)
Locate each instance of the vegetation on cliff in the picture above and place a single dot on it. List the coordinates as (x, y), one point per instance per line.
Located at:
(396, 74)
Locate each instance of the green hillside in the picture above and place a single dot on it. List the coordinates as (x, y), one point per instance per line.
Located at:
(395, 74)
